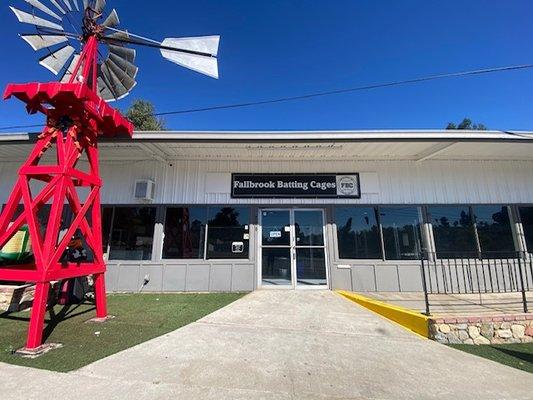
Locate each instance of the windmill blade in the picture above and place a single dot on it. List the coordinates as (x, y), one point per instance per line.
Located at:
(206, 65)
(203, 44)
(57, 60)
(117, 88)
(127, 81)
(70, 70)
(99, 6)
(67, 3)
(26, 18)
(112, 20)
(55, 3)
(104, 91)
(40, 6)
(104, 84)
(121, 36)
(124, 65)
(39, 42)
(76, 5)
(123, 52)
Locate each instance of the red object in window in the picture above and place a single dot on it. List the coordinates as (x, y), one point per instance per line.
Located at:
(76, 117)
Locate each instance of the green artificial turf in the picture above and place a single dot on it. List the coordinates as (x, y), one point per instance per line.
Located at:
(139, 317)
(518, 355)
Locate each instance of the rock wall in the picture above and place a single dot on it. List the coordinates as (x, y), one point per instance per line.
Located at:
(483, 330)
(16, 298)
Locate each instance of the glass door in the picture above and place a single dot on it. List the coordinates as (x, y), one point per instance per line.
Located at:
(292, 248)
(276, 248)
(310, 248)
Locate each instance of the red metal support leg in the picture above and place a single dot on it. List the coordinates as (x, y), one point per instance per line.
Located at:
(38, 311)
(100, 296)
(76, 118)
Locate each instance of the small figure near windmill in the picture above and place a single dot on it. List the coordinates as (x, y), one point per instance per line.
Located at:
(77, 114)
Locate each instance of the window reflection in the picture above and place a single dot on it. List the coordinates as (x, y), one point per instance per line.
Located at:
(227, 234)
(401, 232)
(358, 233)
(309, 228)
(494, 231)
(184, 232)
(226, 227)
(526, 216)
(453, 230)
(132, 233)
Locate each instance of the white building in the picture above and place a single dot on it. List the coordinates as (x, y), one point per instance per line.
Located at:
(237, 211)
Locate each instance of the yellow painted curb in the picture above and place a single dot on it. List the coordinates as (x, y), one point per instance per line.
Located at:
(409, 319)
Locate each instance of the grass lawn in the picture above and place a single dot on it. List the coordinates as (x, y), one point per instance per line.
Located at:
(514, 355)
(139, 317)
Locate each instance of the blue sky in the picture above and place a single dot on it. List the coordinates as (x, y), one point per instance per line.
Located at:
(280, 48)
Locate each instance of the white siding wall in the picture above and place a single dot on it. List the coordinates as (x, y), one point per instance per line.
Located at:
(397, 182)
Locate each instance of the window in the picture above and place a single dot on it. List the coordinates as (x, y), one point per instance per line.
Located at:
(494, 231)
(401, 232)
(107, 220)
(358, 233)
(185, 232)
(226, 228)
(526, 215)
(453, 230)
(132, 233)
(43, 216)
(227, 232)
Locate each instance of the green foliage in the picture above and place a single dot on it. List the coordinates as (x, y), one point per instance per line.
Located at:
(466, 125)
(138, 318)
(141, 114)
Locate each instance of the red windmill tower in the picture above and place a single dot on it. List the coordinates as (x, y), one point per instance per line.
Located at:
(77, 115)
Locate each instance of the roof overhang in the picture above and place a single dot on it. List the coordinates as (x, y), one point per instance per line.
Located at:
(406, 145)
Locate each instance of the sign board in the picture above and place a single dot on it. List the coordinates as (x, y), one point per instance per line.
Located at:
(237, 247)
(326, 186)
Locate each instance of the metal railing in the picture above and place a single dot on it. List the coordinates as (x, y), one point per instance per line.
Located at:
(450, 273)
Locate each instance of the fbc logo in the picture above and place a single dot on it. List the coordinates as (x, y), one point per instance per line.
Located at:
(347, 185)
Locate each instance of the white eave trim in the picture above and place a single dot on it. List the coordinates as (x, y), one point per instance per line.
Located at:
(15, 137)
(308, 136)
(333, 136)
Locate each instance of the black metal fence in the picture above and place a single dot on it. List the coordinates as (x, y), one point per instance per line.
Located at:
(476, 274)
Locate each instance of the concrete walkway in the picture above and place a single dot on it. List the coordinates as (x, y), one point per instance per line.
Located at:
(280, 345)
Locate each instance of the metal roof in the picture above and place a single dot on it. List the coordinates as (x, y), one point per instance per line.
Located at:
(409, 145)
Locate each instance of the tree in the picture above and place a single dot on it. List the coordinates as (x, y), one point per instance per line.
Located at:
(141, 114)
(466, 125)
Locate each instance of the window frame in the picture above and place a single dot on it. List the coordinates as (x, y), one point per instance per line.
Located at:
(514, 217)
(428, 220)
(112, 225)
(164, 211)
(511, 218)
(422, 221)
(336, 234)
(377, 208)
(517, 218)
(204, 259)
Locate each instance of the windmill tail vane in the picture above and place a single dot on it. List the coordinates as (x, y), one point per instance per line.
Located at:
(95, 63)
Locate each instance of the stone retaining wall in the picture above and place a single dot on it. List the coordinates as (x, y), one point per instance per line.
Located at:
(483, 330)
(16, 298)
